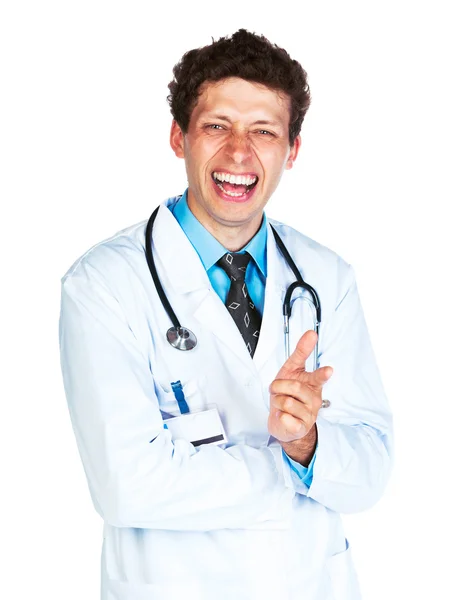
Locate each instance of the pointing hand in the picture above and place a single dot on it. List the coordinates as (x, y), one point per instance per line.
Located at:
(296, 395)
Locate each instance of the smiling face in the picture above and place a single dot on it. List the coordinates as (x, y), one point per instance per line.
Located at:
(235, 150)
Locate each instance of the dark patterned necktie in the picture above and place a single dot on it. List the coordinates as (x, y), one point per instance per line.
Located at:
(238, 302)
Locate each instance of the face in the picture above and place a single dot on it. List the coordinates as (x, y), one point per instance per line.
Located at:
(235, 150)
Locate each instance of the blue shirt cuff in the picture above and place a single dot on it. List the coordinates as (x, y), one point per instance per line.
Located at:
(305, 474)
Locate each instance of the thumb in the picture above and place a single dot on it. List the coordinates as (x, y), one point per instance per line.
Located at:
(320, 377)
(303, 350)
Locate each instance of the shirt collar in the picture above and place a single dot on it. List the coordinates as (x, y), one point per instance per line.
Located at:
(207, 246)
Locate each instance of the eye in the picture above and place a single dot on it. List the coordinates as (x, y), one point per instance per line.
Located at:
(265, 132)
(215, 126)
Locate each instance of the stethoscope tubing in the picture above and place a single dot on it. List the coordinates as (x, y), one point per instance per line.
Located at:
(152, 267)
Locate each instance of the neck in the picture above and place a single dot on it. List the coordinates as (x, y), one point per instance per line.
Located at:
(232, 236)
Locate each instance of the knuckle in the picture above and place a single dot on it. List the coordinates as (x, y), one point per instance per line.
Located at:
(296, 426)
(274, 387)
(275, 401)
(299, 426)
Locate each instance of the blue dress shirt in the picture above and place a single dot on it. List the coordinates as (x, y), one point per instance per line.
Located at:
(210, 251)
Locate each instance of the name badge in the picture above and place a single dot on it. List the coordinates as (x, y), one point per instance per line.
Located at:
(204, 427)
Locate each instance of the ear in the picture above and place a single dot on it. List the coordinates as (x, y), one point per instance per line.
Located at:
(177, 139)
(293, 152)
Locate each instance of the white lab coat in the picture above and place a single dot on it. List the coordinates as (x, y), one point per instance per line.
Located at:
(231, 521)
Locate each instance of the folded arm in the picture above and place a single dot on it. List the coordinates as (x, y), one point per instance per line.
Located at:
(164, 484)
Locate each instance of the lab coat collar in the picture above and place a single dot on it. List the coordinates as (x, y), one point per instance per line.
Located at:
(184, 269)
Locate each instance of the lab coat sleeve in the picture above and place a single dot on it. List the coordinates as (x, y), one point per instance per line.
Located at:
(354, 451)
(164, 484)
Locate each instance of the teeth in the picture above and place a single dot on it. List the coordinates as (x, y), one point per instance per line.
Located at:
(233, 194)
(236, 179)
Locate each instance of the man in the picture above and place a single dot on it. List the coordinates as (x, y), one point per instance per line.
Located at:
(256, 516)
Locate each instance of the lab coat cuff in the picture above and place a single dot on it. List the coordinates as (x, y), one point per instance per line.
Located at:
(282, 466)
(290, 477)
(326, 462)
(351, 466)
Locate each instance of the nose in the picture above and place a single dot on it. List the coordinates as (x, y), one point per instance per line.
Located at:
(238, 147)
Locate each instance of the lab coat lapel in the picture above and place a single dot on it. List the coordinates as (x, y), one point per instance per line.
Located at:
(272, 328)
(212, 314)
(179, 266)
(183, 276)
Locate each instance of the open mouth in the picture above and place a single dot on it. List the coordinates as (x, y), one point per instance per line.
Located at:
(234, 186)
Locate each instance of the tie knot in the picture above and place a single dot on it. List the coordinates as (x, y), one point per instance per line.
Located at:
(235, 265)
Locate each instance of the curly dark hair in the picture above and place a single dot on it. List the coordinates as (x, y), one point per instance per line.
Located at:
(248, 56)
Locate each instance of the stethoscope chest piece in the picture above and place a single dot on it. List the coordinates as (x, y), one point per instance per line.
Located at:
(181, 338)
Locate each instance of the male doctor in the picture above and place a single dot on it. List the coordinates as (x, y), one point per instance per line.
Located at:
(255, 516)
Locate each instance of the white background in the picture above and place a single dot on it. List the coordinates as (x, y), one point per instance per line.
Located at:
(381, 179)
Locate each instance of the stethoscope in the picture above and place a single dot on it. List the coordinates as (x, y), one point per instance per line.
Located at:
(182, 338)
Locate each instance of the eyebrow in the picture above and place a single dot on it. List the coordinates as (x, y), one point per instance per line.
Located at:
(258, 122)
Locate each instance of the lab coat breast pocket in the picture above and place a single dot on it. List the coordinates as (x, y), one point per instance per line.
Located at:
(193, 392)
